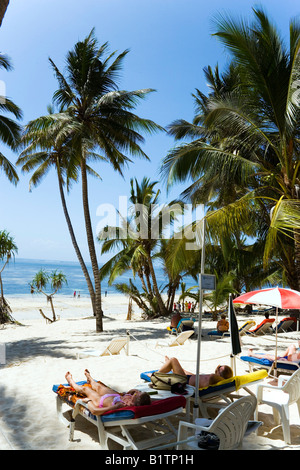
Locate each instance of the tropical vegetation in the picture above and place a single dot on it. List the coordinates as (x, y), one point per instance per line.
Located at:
(240, 158)
(95, 122)
(54, 280)
(241, 151)
(140, 240)
(8, 250)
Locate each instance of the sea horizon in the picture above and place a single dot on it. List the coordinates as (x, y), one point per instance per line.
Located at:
(18, 274)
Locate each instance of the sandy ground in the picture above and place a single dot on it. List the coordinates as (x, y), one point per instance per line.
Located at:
(38, 355)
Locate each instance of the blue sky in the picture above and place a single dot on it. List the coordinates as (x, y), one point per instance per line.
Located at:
(170, 43)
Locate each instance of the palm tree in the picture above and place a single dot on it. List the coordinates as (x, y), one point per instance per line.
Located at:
(45, 150)
(40, 282)
(10, 131)
(8, 249)
(140, 240)
(244, 151)
(95, 114)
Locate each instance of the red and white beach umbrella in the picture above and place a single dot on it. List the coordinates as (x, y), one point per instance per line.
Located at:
(273, 296)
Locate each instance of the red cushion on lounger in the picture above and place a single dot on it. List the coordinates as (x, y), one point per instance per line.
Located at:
(157, 407)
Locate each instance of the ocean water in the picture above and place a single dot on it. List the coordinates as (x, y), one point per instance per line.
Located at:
(18, 274)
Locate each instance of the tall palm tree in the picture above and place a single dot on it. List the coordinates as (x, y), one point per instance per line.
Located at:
(10, 131)
(244, 150)
(43, 151)
(94, 115)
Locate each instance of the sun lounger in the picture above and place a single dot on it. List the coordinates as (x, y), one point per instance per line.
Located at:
(283, 366)
(263, 328)
(178, 341)
(218, 334)
(124, 425)
(183, 325)
(223, 334)
(285, 325)
(223, 392)
(115, 347)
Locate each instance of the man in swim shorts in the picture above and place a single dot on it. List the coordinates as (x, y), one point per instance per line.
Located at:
(172, 365)
(101, 398)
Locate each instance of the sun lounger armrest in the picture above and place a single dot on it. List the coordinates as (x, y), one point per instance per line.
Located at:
(76, 408)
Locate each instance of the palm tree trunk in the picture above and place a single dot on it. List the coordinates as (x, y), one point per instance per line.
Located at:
(160, 302)
(3, 8)
(52, 307)
(90, 239)
(297, 256)
(1, 292)
(74, 241)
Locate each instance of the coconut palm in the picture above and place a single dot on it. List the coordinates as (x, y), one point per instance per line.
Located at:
(94, 115)
(244, 152)
(43, 151)
(140, 238)
(9, 130)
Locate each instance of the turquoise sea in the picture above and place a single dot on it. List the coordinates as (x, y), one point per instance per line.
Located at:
(18, 274)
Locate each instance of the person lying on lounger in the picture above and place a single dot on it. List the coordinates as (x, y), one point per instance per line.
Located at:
(221, 373)
(101, 398)
(292, 353)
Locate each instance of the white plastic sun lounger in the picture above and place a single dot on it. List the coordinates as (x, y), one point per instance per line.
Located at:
(115, 347)
(135, 428)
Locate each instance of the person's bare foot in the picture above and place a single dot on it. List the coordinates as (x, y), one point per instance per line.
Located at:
(250, 352)
(68, 377)
(88, 376)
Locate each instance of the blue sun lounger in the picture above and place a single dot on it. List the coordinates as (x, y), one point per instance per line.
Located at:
(118, 425)
(222, 392)
(283, 365)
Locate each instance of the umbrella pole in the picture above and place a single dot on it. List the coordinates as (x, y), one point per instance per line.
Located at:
(275, 362)
(196, 401)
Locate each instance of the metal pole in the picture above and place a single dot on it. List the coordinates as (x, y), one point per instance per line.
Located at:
(196, 401)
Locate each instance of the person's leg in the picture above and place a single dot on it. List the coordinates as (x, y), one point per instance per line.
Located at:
(291, 353)
(98, 387)
(172, 365)
(87, 391)
(261, 356)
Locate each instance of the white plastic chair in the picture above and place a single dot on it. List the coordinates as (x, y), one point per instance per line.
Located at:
(229, 426)
(280, 398)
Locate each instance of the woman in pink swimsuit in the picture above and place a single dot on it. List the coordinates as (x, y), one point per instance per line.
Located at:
(101, 398)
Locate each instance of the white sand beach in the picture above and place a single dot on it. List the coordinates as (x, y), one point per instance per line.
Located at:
(38, 355)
